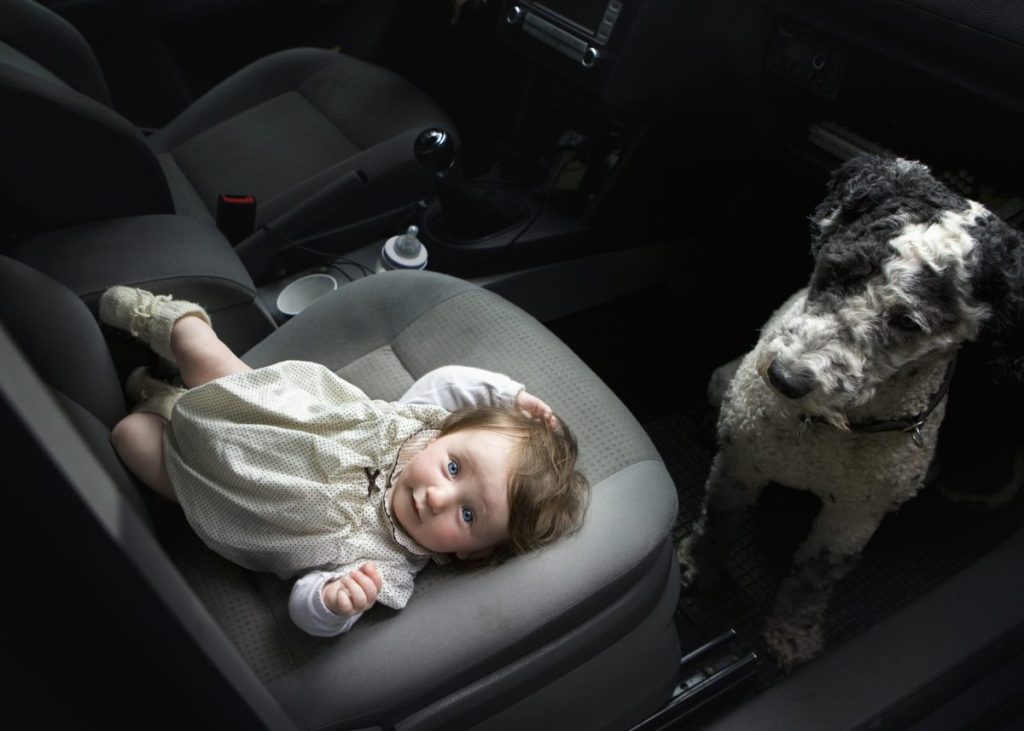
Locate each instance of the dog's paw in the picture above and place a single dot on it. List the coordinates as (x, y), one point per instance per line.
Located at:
(694, 575)
(689, 572)
(792, 642)
(689, 576)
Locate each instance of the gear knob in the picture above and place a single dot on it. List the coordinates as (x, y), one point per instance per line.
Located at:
(435, 149)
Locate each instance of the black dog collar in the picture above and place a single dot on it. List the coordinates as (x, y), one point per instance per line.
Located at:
(912, 424)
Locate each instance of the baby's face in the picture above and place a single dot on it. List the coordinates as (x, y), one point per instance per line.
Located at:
(453, 496)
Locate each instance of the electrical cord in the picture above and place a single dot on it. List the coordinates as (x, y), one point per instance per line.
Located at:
(333, 259)
(549, 193)
(340, 271)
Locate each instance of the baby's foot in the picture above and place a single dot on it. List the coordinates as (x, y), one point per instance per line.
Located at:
(149, 394)
(147, 316)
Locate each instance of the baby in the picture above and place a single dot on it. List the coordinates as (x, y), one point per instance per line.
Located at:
(292, 470)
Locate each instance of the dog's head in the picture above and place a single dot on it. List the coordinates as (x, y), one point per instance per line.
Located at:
(905, 270)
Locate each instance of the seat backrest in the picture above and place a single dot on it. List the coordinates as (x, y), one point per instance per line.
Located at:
(106, 590)
(68, 156)
(60, 337)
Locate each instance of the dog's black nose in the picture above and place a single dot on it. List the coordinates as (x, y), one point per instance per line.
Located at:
(788, 383)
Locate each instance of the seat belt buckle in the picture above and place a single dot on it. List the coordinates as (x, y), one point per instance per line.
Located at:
(236, 216)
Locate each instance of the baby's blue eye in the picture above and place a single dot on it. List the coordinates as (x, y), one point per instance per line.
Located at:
(467, 515)
(453, 467)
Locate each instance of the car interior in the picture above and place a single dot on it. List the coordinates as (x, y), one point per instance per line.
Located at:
(603, 199)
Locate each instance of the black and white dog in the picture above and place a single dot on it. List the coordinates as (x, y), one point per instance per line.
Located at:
(846, 388)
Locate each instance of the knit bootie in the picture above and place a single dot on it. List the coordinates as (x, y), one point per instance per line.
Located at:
(146, 393)
(149, 317)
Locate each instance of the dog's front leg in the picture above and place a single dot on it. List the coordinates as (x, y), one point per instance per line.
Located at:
(728, 493)
(794, 630)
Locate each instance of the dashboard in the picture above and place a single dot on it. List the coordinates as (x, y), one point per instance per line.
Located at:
(936, 80)
(968, 43)
(620, 50)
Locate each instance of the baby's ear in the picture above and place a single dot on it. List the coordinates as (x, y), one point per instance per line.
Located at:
(474, 555)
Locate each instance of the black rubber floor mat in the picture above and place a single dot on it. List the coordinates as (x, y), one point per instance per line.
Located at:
(928, 540)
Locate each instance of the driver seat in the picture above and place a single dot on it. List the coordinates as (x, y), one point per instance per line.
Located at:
(319, 139)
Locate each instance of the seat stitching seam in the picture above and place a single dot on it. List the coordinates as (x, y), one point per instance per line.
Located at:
(344, 133)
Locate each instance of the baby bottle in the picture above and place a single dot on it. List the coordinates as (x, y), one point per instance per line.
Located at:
(404, 251)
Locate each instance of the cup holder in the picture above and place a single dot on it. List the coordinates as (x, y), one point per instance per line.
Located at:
(303, 292)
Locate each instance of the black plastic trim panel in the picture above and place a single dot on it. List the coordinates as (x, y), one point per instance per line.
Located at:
(910, 663)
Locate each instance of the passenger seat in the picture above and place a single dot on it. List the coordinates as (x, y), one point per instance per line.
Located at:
(578, 635)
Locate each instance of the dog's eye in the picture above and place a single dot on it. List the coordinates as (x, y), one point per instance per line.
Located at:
(904, 322)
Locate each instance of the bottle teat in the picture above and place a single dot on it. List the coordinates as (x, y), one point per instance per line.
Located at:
(408, 245)
(404, 251)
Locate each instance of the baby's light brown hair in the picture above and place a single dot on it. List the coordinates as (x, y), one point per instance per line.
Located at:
(547, 495)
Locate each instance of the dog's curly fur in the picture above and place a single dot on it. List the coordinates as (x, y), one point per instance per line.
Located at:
(905, 272)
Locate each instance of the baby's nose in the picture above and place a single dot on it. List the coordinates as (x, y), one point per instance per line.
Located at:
(439, 497)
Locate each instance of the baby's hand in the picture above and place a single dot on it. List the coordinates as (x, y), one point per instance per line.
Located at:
(353, 593)
(536, 408)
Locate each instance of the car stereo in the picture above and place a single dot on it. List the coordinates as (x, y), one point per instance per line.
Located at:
(579, 29)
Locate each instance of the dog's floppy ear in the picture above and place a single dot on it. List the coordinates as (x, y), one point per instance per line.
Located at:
(997, 277)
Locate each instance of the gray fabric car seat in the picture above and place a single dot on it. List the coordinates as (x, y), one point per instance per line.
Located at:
(319, 138)
(580, 635)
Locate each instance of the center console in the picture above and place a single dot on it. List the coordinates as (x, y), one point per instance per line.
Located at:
(578, 37)
(625, 52)
(578, 29)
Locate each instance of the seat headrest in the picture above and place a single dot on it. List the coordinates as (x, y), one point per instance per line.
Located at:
(55, 44)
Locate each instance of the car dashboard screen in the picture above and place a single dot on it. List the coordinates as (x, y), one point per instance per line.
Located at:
(585, 13)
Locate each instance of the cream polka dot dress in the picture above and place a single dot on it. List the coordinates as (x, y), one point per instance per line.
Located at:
(285, 468)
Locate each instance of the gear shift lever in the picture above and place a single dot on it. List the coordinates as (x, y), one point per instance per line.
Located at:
(435, 149)
(466, 211)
